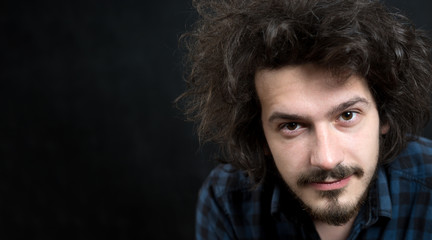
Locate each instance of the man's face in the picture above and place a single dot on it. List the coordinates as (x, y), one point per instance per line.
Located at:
(323, 135)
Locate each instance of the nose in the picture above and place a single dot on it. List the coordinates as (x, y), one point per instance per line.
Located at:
(326, 150)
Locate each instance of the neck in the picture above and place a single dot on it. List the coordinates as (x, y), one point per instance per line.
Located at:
(327, 231)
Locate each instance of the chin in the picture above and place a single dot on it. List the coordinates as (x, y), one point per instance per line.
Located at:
(333, 207)
(335, 213)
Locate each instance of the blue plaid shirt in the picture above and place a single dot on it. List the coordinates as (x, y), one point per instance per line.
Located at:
(399, 204)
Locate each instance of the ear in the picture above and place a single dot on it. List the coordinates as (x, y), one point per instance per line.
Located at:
(384, 128)
(266, 149)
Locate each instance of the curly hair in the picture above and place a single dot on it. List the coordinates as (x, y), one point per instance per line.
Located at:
(232, 39)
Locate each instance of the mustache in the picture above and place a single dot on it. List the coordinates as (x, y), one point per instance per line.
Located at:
(320, 175)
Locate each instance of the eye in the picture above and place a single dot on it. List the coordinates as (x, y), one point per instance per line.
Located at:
(348, 116)
(291, 129)
(291, 126)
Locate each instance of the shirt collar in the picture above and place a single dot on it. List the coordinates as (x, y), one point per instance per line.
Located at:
(275, 200)
(384, 204)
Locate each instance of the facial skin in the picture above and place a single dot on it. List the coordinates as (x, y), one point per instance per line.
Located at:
(323, 135)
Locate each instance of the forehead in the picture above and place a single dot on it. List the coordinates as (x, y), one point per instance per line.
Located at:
(306, 87)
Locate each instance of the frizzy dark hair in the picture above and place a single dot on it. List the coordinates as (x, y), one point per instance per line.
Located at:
(232, 39)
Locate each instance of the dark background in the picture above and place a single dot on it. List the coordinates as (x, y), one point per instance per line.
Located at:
(91, 145)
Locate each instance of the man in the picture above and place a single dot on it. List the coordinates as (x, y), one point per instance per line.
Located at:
(316, 106)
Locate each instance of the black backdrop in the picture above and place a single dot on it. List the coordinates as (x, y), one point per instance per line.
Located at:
(91, 145)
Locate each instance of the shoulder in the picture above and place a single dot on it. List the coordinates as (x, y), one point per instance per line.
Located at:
(225, 205)
(226, 179)
(415, 162)
(409, 179)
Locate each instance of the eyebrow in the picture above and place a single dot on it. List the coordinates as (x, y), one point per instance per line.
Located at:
(335, 110)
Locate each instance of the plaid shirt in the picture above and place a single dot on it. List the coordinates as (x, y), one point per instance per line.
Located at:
(399, 204)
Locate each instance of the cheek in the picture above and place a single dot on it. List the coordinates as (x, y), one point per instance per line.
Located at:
(290, 157)
(364, 145)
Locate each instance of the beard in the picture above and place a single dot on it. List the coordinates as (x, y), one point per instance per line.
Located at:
(334, 213)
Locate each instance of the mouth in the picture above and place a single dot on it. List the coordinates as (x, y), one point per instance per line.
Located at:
(331, 185)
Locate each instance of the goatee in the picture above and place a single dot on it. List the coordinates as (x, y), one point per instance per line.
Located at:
(334, 213)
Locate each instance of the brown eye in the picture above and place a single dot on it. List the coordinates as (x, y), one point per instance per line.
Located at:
(346, 116)
(291, 126)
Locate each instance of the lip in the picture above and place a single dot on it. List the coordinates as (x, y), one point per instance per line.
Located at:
(328, 186)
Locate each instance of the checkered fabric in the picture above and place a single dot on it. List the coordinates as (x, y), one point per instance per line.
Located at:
(399, 204)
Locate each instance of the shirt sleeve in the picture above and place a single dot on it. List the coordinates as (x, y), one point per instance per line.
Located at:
(212, 220)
